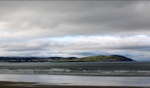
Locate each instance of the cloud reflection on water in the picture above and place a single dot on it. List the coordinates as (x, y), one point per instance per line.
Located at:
(77, 80)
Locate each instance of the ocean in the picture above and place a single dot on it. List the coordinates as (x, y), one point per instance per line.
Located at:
(78, 73)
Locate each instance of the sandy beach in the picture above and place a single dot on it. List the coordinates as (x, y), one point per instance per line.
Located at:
(6, 84)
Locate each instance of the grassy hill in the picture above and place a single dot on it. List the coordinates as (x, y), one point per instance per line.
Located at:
(102, 58)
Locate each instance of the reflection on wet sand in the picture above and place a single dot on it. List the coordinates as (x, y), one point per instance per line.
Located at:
(35, 85)
(69, 80)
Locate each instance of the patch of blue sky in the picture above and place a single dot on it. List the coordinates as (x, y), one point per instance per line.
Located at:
(69, 38)
(78, 36)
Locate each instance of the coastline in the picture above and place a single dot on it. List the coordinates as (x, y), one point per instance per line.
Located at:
(8, 84)
(80, 74)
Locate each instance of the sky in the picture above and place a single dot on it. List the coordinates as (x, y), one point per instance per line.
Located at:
(75, 28)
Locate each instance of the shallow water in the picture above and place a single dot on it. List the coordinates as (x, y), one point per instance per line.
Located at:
(78, 80)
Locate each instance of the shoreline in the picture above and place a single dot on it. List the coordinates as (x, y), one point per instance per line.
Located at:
(63, 81)
(9, 84)
(79, 74)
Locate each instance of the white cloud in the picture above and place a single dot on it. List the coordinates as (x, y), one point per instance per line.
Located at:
(79, 46)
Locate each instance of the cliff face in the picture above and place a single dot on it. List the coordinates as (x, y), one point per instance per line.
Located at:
(110, 58)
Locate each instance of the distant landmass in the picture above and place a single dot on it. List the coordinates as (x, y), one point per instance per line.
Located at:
(107, 58)
(100, 58)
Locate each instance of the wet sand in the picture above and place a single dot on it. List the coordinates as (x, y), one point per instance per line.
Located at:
(5, 84)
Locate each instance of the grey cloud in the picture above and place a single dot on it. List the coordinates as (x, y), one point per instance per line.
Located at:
(50, 18)
(136, 48)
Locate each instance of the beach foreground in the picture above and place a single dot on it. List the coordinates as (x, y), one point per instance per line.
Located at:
(6, 84)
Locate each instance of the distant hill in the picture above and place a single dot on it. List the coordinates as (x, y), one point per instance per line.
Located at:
(102, 58)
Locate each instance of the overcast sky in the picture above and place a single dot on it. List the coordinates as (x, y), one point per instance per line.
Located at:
(75, 28)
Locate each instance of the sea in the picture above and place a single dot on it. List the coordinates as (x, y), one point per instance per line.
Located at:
(78, 73)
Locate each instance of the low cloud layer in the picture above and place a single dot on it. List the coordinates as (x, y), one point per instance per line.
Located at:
(132, 46)
(75, 28)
